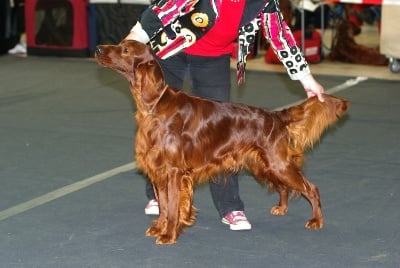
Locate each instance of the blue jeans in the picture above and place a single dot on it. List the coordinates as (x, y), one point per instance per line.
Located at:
(210, 78)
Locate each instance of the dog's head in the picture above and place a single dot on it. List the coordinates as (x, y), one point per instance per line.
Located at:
(309, 119)
(328, 111)
(135, 61)
(130, 58)
(336, 105)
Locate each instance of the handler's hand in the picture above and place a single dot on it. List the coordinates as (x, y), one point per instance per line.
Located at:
(312, 87)
(130, 36)
(137, 33)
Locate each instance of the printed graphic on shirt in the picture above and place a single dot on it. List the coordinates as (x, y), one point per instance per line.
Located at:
(199, 19)
(186, 29)
(168, 11)
(173, 39)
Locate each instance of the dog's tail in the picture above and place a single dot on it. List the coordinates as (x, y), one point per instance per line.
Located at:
(306, 122)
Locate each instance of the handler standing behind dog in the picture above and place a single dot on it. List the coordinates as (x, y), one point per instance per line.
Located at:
(196, 38)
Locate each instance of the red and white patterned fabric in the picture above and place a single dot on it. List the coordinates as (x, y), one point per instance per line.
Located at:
(369, 2)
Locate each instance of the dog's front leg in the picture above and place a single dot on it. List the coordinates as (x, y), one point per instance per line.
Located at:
(187, 212)
(169, 233)
(157, 226)
(312, 194)
(292, 178)
(282, 207)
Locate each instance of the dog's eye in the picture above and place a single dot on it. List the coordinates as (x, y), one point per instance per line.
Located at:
(125, 50)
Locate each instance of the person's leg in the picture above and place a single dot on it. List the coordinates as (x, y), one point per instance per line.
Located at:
(149, 190)
(211, 78)
(225, 194)
(152, 204)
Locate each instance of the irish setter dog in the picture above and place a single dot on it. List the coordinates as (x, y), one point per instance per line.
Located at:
(184, 140)
(346, 49)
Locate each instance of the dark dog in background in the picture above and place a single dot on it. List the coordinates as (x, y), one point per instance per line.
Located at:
(184, 140)
(345, 48)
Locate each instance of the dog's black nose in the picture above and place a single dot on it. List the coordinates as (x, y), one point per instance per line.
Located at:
(99, 50)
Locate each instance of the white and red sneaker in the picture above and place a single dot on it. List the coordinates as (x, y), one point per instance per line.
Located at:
(152, 208)
(237, 221)
(19, 48)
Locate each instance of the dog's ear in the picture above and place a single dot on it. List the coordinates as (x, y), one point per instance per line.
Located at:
(143, 55)
(146, 76)
(340, 105)
(138, 56)
(145, 64)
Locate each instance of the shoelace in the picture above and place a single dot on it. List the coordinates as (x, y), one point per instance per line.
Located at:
(238, 216)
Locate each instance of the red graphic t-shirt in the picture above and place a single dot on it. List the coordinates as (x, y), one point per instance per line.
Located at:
(219, 39)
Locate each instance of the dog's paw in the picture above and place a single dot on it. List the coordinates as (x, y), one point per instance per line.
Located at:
(152, 231)
(314, 224)
(278, 210)
(165, 240)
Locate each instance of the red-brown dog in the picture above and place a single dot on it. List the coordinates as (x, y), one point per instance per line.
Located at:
(184, 140)
(345, 48)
